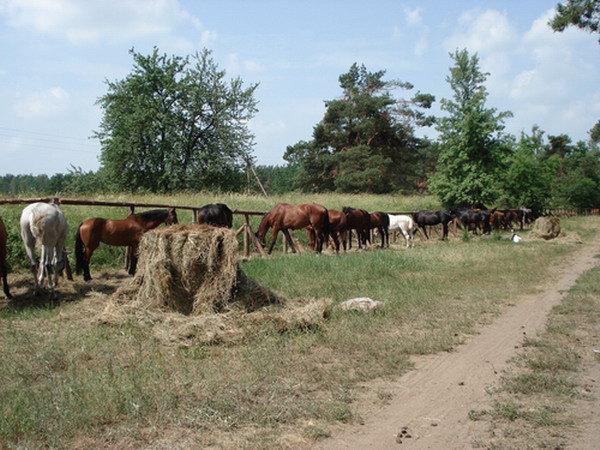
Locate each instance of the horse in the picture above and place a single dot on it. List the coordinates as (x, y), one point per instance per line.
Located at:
(514, 215)
(424, 218)
(381, 222)
(357, 219)
(120, 233)
(46, 225)
(284, 217)
(3, 268)
(337, 230)
(498, 220)
(473, 219)
(216, 214)
(406, 226)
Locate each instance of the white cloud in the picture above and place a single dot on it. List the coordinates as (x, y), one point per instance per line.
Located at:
(413, 17)
(541, 76)
(99, 20)
(47, 103)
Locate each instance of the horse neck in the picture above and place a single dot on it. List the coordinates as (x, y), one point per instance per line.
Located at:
(264, 226)
(149, 225)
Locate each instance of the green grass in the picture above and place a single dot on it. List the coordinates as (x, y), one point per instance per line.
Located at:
(68, 380)
(536, 401)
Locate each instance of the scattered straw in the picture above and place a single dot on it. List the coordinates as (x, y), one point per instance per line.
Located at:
(189, 287)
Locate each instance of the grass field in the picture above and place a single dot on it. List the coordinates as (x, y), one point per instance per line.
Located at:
(68, 381)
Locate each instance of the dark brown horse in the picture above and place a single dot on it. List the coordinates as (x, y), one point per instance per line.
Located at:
(357, 219)
(120, 233)
(337, 230)
(381, 222)
(216, 214)
(3, 268)
(284, 217)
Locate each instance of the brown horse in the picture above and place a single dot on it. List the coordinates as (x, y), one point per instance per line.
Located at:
(381, 222)
(337, 230)
(3, 269)
(357, 219)
(121, 233)
(498, 220)
(284, 217)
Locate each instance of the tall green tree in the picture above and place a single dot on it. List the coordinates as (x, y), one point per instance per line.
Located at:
(474, 149)
(365, 141)
(175, 123)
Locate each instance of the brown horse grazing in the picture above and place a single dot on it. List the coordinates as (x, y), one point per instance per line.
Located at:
(3, 269)
(380, 221)
(357, 219)
(121, 233)
(337, 230)
(498, 220)
(284, 217)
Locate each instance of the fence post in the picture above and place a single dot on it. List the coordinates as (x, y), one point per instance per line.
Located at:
(246, 231)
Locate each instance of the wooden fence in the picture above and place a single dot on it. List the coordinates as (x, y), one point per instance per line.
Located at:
(248, 234)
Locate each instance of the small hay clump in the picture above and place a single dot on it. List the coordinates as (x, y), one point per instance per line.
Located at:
(189, 287)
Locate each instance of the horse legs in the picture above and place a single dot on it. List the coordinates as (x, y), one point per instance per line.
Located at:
(134, 260)
(4, 271)
(288, 236)
(273, 239)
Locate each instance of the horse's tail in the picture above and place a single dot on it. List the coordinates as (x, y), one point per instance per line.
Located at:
(79, 251)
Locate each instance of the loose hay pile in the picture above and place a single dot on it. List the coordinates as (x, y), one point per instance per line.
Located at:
(189, 286)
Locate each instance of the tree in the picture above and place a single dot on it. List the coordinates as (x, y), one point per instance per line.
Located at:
(584, 14)
(529, 178)
(365, 141)
(174, 123)
(473, 148)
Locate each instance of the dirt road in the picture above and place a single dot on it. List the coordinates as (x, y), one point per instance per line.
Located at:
(430, 404)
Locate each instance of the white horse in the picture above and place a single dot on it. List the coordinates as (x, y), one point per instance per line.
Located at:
(45, 225)
(406, 225)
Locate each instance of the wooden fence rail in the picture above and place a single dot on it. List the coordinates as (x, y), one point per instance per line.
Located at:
(249, 235)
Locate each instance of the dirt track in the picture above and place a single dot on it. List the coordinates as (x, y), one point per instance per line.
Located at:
(432, 402)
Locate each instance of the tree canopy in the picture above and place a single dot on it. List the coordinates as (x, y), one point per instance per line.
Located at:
(365, 141)
(584, 14)
(174, 123)
(473, 147)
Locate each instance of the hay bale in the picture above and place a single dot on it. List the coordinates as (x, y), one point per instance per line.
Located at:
(189, 288)
(546, 228)
(193, 270)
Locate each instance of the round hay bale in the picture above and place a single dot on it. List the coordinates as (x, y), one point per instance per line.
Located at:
(193, 270)
(546, 228)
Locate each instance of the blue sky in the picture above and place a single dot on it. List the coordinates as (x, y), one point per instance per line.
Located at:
(57, 54)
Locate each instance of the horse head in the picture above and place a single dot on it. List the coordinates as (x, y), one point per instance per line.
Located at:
(171, 216)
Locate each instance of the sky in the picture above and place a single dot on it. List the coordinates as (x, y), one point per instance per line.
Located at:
(57, 55)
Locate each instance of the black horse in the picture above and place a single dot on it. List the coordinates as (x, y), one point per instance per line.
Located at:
(473, 219)
(216, 214)
(424, 217)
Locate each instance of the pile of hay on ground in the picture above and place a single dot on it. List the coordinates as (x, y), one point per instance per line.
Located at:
(546, 228)
(189, 287)
(549, 229)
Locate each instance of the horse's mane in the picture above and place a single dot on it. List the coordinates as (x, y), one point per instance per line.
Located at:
(153, 214)
(347, 209)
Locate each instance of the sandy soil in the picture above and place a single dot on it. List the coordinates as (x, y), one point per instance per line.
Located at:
(430, 404)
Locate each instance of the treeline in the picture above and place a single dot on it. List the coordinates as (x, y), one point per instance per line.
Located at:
(175, 124)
